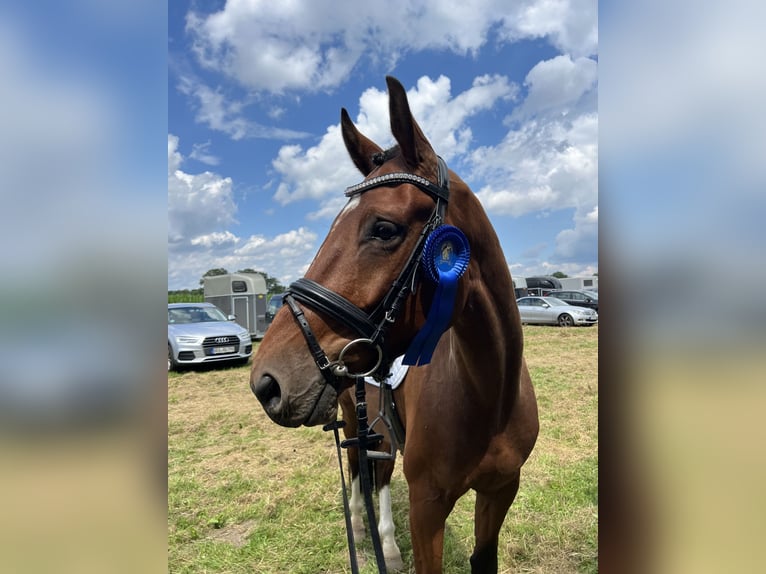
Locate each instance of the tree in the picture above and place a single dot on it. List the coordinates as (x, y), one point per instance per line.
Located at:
(272, 283)
(559, 275)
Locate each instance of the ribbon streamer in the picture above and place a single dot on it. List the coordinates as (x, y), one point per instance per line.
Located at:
(445, 258)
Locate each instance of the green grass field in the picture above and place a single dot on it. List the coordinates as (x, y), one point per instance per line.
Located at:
(245, 495)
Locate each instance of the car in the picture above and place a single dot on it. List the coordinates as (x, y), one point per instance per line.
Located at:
(552, 311)
(201, 333)
(275, 302)
(580, 298)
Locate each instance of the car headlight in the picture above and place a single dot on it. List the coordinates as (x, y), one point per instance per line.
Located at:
(187, 339)
(245, 336)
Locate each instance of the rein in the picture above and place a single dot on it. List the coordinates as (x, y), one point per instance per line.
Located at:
(363, 441)
(371, 329)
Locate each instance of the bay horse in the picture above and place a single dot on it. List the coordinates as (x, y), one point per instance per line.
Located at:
(469, 411)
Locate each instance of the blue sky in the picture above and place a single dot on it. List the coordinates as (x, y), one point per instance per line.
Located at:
(506, 92)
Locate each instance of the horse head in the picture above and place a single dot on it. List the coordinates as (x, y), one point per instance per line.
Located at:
(373, 245)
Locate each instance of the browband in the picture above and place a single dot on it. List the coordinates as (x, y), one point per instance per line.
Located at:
(440, 191)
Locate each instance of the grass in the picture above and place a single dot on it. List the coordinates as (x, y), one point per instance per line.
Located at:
(245, 495)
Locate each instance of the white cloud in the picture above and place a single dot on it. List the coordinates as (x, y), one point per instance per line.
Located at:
(580, 242)
(285, 256)
(321, 41)
(570, 25)
(541, 166)
(324, 170)
(201, 153)
(200, 207)
(219, 112)
(216, 239)
(197, 204)
(558, 85)
(315, 173)
(549, 162)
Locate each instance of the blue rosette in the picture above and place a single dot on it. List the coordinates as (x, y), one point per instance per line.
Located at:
(445, 258)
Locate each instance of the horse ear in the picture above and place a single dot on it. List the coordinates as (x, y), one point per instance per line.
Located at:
(414, 145)
(360, 148)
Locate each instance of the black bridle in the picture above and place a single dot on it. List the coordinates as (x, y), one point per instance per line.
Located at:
(371, 327)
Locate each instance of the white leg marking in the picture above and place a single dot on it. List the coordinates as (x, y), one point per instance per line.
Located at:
(356, 504)
(386, 528)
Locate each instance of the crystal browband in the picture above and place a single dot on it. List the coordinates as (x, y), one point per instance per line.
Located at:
(392, 178)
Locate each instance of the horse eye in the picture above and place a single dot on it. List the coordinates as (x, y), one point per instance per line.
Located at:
(384, 230)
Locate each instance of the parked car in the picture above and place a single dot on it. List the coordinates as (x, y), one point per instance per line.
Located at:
(274, 304)
(580, 298)
(201, 333)
(552, 311)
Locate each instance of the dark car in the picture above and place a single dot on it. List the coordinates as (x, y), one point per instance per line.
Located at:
(578, 298)
(274, 304)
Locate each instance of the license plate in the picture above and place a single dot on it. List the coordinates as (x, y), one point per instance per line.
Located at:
(223, 350)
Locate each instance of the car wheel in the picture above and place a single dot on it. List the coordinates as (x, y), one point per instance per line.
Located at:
(565, 320)
(172, 365)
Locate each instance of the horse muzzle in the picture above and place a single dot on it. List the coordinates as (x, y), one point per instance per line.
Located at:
(319, 408)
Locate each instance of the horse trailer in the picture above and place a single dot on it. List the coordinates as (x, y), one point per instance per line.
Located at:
(242, 295)
(520, 287)
(542, 285)
(580, 283)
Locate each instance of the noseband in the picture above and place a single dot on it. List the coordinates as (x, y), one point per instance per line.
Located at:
(371, 327)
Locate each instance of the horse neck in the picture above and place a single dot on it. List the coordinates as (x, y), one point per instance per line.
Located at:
(487, 329)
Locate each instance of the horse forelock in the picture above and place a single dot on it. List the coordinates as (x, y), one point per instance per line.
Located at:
(382, 157)
(394, 152)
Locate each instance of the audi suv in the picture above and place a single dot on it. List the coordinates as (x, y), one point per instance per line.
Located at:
(201, 333)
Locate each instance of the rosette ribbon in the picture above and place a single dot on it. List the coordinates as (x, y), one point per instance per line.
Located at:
(445, 258)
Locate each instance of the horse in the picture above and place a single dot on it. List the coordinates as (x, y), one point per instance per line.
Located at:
(467, 404)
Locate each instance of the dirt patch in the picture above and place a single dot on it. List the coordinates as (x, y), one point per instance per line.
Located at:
(236, 534)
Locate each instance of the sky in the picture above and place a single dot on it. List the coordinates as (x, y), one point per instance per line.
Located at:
(91, 90)
(505, 92)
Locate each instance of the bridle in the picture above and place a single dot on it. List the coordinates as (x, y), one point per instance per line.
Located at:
(371, 327)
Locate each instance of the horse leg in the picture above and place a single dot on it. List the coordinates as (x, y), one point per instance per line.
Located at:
(386, 526)
(428, 516)
(491, 508)
(356, 502)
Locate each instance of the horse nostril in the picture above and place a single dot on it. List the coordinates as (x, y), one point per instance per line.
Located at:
(267, 390)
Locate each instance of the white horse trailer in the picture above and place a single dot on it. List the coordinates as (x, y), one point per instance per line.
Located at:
(520, 287)
(579, 283)
(242, 295)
